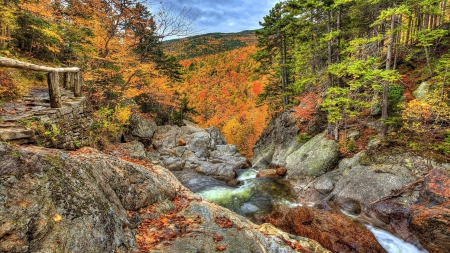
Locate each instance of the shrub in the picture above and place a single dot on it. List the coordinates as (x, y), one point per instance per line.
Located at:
(109, 123)
(303, 138)
(8, 88)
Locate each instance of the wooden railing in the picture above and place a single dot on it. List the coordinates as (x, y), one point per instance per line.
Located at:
(72, 80)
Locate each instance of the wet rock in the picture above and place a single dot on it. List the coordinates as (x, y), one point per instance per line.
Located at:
(316, 157)
(430, 216)
(281, 171)
(333, 231)
(173, 163)
(197, 182)
(268, 173)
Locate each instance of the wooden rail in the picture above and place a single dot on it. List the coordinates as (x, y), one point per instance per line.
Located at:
(73, 79)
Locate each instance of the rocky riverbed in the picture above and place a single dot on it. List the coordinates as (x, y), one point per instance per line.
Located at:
(86, 201)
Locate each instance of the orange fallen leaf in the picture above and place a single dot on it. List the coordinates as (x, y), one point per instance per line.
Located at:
(222, 247)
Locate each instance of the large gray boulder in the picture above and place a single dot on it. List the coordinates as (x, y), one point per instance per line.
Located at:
(140, 128)
(86, 201)
(357, 182)
(280, 139)
(316, 157)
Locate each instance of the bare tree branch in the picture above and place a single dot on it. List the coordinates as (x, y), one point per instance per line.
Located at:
(171, 23)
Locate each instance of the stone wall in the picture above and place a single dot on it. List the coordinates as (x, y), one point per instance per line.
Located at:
(67, 127)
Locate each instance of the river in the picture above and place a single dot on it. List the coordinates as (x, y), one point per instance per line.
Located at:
(257, 197)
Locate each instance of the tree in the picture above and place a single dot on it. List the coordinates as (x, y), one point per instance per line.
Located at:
(273, 47)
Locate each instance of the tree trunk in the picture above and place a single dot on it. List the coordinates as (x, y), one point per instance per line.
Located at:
(427, 56)
(338, 53)
(53, 89)
(408, 31)
(384, 108)
(330, 49)
(284, 74)
(443, 83)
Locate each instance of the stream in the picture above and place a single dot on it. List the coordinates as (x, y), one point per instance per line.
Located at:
(257, 197)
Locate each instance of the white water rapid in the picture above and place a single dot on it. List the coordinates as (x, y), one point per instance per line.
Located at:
(393, 244)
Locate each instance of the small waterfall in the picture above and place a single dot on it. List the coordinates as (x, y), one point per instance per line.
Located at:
(393, 244)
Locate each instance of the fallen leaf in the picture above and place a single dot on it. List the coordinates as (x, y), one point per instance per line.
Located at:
(24, 204)
(217, 238)
(222, 247)
(57, 217)
(223, 222)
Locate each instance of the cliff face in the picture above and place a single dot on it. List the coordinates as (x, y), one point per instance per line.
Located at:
(86, 201)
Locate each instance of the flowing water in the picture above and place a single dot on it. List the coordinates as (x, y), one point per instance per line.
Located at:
(393, 244)
(258, 197)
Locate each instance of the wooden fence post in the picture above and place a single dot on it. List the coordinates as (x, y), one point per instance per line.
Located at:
(78, 84)
(53, 89)
(68, 81)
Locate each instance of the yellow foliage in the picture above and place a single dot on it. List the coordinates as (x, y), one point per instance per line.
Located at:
(122, 114)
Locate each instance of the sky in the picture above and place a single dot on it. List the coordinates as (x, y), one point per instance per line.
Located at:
(225, 15)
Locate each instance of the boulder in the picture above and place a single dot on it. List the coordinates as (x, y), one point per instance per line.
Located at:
(268, 173)
(333, 231)
(430, 216)
(280, 139)
(358, 182)
(422, 91)
(173, 163)
(135, 149)
(140, 128)
(316, 157)
(86, 201)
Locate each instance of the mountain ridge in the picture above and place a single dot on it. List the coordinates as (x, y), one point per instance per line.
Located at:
(208, 44)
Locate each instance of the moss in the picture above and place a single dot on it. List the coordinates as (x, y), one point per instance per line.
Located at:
(55, 161)
(365, 159)
(15, 153)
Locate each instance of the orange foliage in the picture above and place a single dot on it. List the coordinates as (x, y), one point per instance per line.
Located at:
(8, 89)
(305, 111)
(223, 88)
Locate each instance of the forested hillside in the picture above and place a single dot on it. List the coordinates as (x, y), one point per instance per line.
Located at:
(223, 88)
(206, 44)
(357, 63)
(350, 61)
(118, 45)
